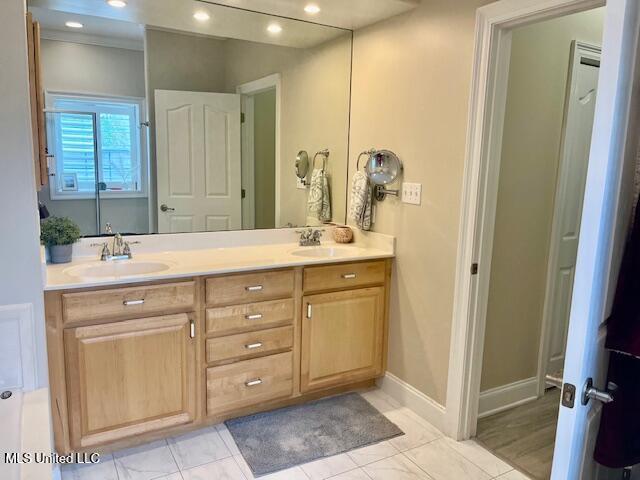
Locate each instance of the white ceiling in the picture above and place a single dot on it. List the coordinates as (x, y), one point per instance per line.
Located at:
(350, 14)
(96, 30)
(101, 20)
(177, 15)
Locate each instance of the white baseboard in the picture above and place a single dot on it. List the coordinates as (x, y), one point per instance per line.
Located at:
(508, 396)
(410, 397)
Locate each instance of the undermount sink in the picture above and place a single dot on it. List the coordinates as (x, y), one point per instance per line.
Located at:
(118, 268)
(321, 252)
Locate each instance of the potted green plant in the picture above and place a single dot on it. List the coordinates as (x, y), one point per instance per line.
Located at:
(59, 234)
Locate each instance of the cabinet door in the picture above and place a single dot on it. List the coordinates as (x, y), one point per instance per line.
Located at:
(129, 378)
(342, 337)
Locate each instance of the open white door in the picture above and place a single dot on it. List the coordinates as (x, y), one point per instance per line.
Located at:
(605, 218)
(576, 142)
(198, 161)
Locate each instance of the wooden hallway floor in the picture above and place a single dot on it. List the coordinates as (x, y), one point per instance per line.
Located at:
(524, 436)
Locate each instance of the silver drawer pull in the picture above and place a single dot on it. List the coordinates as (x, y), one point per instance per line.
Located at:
(128, 303)
(254, 288)
(349, 276)
(251, 346)
(253, 383)
(255, 316)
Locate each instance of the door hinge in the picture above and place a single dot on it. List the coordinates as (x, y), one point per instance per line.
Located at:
(568, 395)
(242, 117)
(474, 269)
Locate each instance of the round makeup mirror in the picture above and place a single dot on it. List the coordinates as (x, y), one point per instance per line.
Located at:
(302, 164)
(383, 167)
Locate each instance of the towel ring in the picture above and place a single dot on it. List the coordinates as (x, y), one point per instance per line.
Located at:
(366, 152)
(325, 155)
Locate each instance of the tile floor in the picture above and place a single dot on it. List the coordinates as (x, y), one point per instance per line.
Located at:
(423, 453)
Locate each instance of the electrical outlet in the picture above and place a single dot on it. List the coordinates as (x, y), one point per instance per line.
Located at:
(412, 193)
(300, 184)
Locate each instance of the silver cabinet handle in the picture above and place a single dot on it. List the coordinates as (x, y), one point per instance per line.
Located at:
(128, 303)
(253, 383)
(308, 310)
(166, 208)
(252, 346)
(349, 276)
(253, 288)
(255, 316)
(192, 329)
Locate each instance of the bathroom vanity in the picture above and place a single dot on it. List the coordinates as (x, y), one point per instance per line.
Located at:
(132, 361)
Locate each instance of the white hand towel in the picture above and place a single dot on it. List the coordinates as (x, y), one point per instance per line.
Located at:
(319, 202)
(361, 197)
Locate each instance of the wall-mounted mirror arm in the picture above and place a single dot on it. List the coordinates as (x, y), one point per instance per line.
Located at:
(382, 167)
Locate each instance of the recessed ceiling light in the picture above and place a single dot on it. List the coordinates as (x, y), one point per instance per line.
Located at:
(201, 16)
(312, 9)
(74, 24)
(117, 3)
(274, 28)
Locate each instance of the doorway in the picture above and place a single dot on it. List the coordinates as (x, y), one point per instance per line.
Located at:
(543, 158)
(260, 104)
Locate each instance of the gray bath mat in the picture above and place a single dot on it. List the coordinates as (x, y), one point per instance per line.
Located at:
(290, 436)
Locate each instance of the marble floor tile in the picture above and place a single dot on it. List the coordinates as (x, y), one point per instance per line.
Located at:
(227, 438)
(357, 474)
(104, 470)
(481, 457)
(397, 467)
(442, 462)
(416, 431)
(513, 475)
(225, 469)
(145, 462)
(372, 453)
(197, 448)
(383, 403)
(294, 473)
(329, 467)
(173, 476)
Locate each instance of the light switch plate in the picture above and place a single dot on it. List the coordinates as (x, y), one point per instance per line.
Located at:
(412, 193)
(300, 184)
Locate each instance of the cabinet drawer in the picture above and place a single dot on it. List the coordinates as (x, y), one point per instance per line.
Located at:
(249, 344)
(129, 302)
(247, 288)
(250, 382)
(344, 275)
(237, 318)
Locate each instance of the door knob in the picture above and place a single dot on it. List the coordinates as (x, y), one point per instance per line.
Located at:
(592, 393)
(165, 208)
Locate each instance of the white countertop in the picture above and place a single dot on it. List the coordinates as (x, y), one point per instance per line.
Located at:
(195, 262)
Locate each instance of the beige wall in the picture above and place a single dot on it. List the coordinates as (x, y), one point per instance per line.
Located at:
(315, 111)
(265, 158)
(315, 97)
(411, 83)
(529, 164)
(21, 272)
(91, 69)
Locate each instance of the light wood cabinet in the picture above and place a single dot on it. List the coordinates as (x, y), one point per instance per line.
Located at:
(36, 95)
(138, 362)
(129, 378)
(342, 334)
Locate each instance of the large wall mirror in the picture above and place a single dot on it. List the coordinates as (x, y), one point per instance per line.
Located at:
(186, 116)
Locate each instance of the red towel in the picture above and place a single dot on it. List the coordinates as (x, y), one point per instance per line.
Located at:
(618, 443)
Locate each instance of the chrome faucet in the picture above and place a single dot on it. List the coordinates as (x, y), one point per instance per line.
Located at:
(120, 250)
(309, 237)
